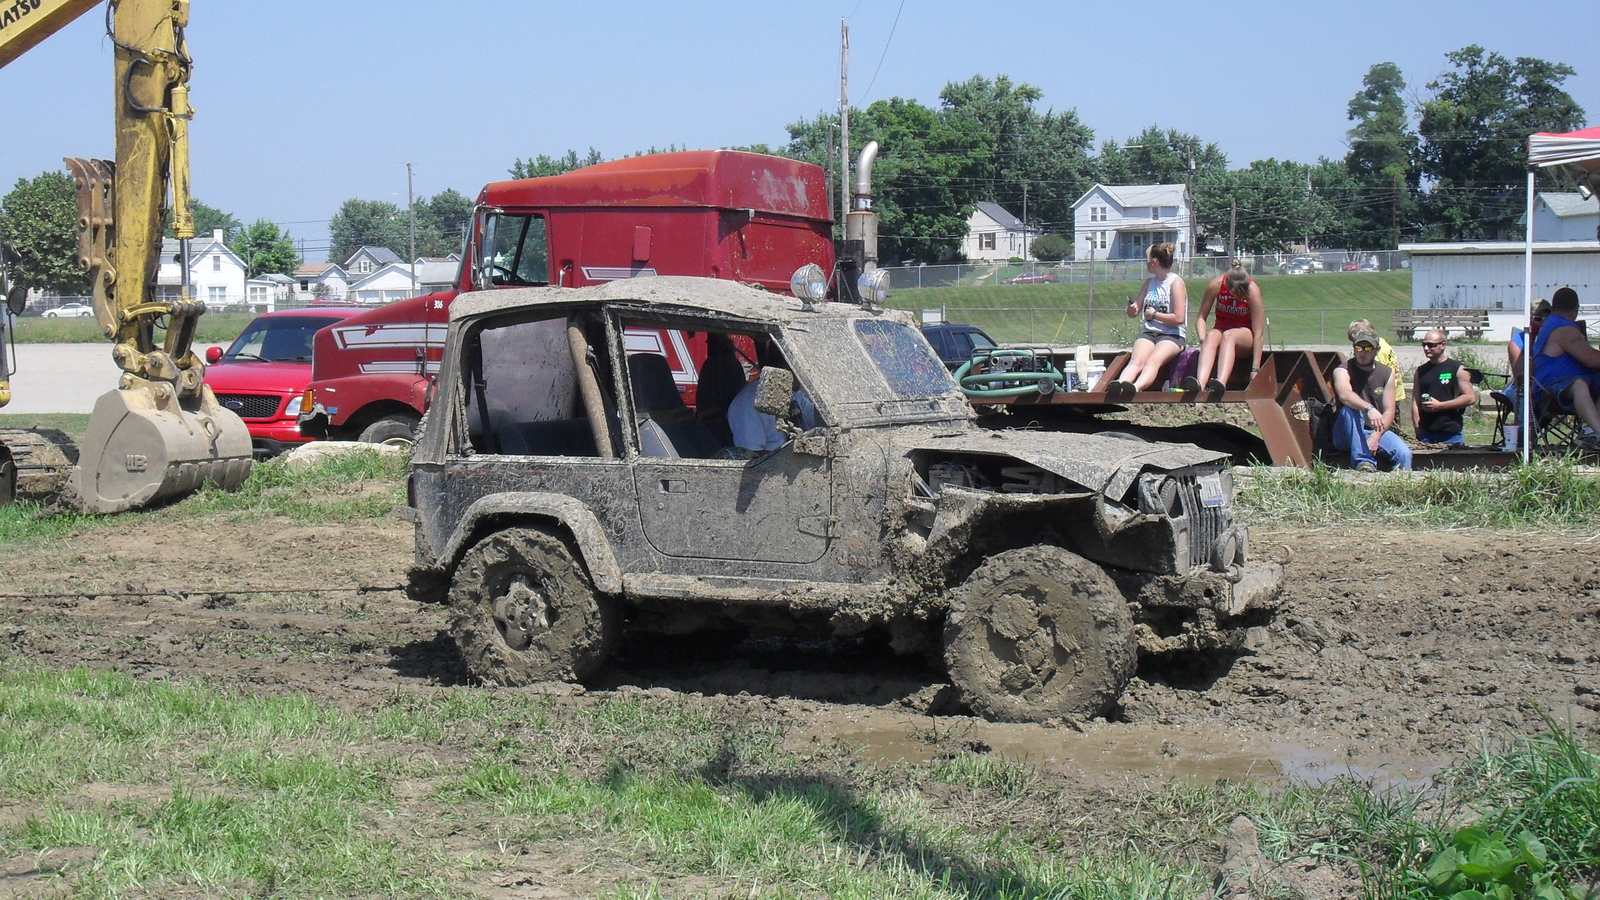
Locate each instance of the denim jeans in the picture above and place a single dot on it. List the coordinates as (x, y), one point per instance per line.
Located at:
(1439, 437)
(1350, 433)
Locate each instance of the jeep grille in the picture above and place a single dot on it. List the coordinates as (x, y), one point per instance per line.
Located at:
(1206, 523)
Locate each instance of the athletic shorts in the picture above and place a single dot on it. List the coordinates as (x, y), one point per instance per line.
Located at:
(1156, 337)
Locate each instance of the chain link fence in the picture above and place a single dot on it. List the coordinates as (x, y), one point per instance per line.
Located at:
(973, 275)
(1107, 325)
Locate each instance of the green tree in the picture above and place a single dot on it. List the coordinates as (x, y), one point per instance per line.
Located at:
(442, 222)
(541, 165)
(1277, 206)
(366, 223)
(1157, 156)
(39, 219)
(985, 142)
(208, 220)
(1381, 161)
(1051, 247)
(265, 249)
(1474, 130)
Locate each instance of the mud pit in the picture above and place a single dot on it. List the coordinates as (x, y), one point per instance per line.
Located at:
(1394, 652)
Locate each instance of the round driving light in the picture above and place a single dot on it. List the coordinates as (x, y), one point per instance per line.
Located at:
(809, 283)
(874, 288)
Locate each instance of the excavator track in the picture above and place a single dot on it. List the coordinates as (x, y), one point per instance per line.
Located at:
(43, 459)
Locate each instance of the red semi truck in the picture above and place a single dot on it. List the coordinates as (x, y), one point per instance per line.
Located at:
(718, 213)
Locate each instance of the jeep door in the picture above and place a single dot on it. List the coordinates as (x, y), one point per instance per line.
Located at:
(698, 501)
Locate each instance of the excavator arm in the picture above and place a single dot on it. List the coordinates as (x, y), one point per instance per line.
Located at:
(161, 433)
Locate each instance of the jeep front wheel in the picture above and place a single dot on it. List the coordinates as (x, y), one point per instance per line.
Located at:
(1037, 634)
(525, 612)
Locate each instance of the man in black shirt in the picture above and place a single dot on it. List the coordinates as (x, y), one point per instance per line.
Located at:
(1442, 393)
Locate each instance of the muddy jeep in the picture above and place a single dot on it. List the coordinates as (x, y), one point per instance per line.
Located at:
(563, 491)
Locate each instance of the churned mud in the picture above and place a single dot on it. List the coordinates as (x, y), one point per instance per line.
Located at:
(1394, 653)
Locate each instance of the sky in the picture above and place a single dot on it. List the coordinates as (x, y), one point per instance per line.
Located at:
(302, 104)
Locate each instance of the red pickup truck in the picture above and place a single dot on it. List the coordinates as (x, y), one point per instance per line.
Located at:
(263, 374)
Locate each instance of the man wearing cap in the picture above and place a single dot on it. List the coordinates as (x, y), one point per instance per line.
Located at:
(1364, 389)
(1442, 393)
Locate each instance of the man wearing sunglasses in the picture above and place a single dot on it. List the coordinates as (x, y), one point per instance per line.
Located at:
(1441, 394)
(1364, 389)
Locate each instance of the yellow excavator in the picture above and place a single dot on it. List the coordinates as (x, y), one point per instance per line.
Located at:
(161, 433)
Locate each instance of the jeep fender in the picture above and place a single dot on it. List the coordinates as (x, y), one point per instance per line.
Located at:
(571, 514)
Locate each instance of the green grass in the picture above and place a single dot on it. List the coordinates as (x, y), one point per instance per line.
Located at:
(212, 328)
(1301, 309)
(344, 488)
(76, 425)
(178, 787)
(1549, 494)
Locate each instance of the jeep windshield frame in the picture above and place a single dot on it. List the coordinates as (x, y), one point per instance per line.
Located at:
(879, 370)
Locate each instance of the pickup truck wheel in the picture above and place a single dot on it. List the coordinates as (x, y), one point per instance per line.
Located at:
(1039, 633)
(396, 431)
(525, 612)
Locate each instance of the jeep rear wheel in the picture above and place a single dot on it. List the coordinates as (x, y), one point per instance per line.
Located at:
(525, 612)
(1039, 633)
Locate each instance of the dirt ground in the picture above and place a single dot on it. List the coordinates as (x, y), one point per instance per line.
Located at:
(1394, 652)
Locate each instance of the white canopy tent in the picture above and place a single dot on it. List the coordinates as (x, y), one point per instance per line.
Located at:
(1579, 152)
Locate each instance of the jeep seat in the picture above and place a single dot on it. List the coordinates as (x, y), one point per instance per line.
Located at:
(656, 399)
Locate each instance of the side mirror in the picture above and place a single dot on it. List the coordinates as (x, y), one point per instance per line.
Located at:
(17, 299)
(213, 354)
(775, 392)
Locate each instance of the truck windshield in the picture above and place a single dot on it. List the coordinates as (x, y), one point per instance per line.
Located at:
(277, 339)
(519, 252)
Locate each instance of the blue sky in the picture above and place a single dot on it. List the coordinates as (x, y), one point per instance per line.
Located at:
(303, 104)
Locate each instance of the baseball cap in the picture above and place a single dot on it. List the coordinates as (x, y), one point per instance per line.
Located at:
(1364, 336)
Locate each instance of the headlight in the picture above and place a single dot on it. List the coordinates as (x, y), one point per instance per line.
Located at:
(874, 288)
(809, 283)
(296, 403)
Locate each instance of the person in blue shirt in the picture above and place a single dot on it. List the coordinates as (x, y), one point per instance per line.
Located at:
(758, 432)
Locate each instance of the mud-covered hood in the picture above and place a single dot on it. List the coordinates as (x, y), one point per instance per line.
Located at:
(1099, 462)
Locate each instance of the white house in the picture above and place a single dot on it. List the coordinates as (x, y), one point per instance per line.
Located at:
(368, 260)
(437, 274)
(386, 285)
(266, 293)
(216, 274)
(995, 235)
(1565, 216)
(1122, 221)
(326, 281)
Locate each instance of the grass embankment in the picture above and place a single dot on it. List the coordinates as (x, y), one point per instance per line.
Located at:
(1550, 494)
(344, 488)
(211, 328)
(1301, 309)
(179, 787)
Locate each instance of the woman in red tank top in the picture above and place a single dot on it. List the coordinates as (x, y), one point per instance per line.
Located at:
(1240, 327)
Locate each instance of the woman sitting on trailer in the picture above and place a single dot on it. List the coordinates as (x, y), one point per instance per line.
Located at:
(1240, 328)
(1164, 305)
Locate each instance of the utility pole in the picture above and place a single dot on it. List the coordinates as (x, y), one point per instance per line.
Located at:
(1090, 337)
(411, 229)
(1188, 188)
(844, 123)
(1233, 227)
(1024, 223)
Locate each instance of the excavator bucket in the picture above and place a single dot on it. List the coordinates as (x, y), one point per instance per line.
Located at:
(144, 446)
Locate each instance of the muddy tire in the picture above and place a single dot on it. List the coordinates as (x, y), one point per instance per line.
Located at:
(1037, 634)
(524, 611)
(396, 431)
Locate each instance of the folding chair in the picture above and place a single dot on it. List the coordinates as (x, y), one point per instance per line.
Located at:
(1556, 428)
